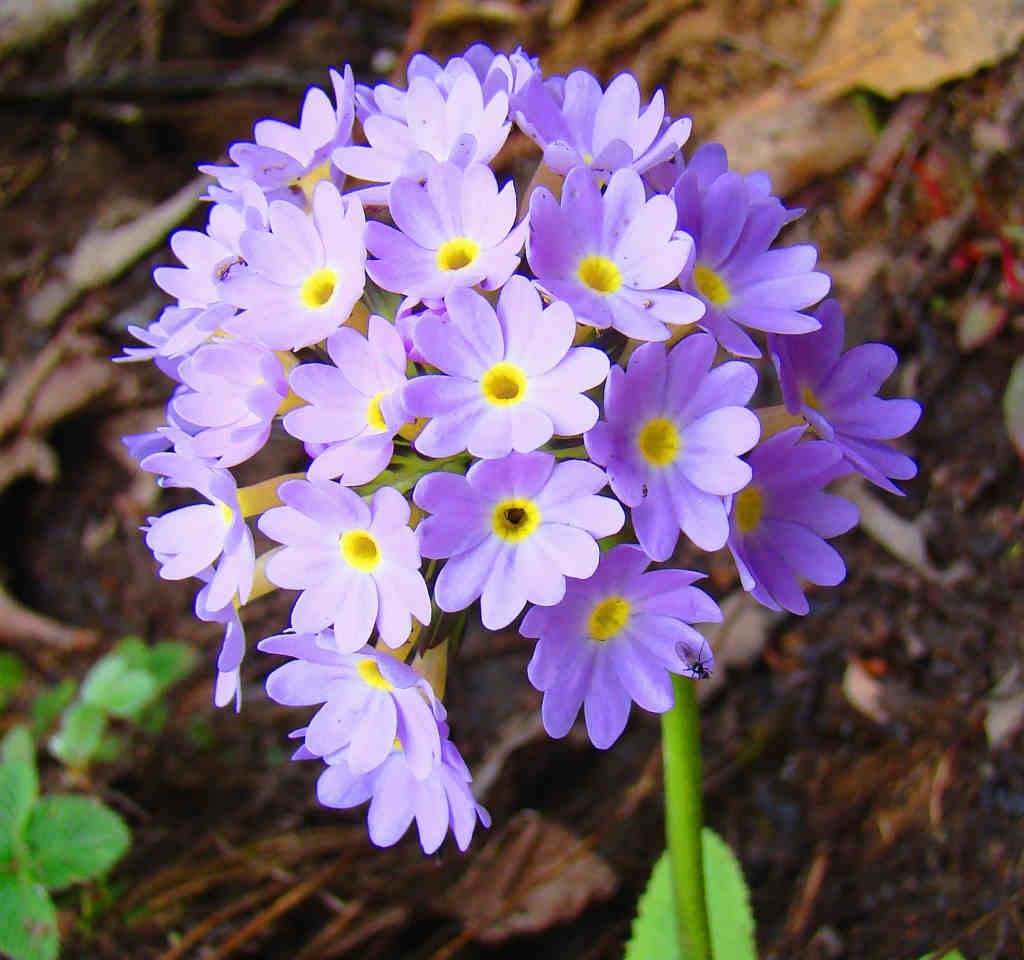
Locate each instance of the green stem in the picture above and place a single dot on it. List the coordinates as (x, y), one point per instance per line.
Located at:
(680, 741)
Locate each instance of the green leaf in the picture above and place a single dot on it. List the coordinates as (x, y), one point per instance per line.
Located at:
(28, 920)
(732, 923)
(119, 688)
(80, 734)
(169, 662)
(955, 955)
(73, 838)
(19, 789)
(17, 745)
(12, 675)
(48, 706)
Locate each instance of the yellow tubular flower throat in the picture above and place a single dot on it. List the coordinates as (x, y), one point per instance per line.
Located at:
(659, 442)
(515, 519)
(360, 550)
(747, 508)
(711, 286)
(608, 618)
(599, 274)
(504, 385)
(371, 675)
(318, 288)
(456, 254)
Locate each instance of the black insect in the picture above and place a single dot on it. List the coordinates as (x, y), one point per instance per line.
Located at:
(699, 664)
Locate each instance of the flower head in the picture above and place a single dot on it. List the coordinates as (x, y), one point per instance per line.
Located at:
(356, 564)
(511, 378)
(778, 522)
(613, 640)
(609, 255)
(835, 393)
(513, 529)
(671, 442)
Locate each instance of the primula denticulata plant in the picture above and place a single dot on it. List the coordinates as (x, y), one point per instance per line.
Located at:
(521, 410)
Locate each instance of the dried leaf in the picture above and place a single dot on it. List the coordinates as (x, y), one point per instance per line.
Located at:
(26, 22)
(893, 47)
(1004, 709)
(532, 875)
(793, 138)
(982, 318)
(1013, 405)
(864, 692)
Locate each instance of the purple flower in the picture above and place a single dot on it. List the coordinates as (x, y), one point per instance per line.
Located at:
(513, 380)
(176, 332)
(370, 701)
(779, 521)
(671, 443)
(835, 393)
(355, 406)
(235, 390)
(228, 685)
(356, 565)
(303, 277)
(455, 229)
(608, 255)
(440, 802)
(607, 131)
(733, 223)
(614, 639)
(443, 115)
(188, 540)
(513, 529)
(286, 162)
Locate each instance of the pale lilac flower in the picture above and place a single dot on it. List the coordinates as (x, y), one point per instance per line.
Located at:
(228, 685)
(286, 161)
(234, 391)
(579, 123)
(614, 639)
(780, 519)
(733, 223)
(672, 439)
(356, 565)
(177, 332)
(440, 802)
(355, 406)
(609, 255)
(513, 378)
(188, 540)
(370, 701)
(445, 116)
(513, 529)
(303, 277)
(835, 393)
(212, 256)
(455, 229)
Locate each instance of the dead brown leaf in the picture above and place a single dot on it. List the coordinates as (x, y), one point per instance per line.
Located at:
(532, 875)
(893, 47)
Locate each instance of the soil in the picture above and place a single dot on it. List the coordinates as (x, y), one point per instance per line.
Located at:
(852, 764)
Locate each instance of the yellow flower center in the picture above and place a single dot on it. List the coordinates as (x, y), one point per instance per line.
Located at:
(515, 519)
(503, 385)
(318, 288)
(371, 675)
(711, 286)
(456, 254)
(659, 441)
(373, 415)
(227, 515)
(747, 508)
(599, 274)
(809, 399)
(307, 182)
(360, 550)
(608, 618)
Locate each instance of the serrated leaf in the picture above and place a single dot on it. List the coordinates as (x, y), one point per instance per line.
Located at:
(28, 920)
(169, 661)
(12, 675)
(80, 734)
(72, 838)
(728, 900)
(732, 920)
(120, 689)
(48, 706)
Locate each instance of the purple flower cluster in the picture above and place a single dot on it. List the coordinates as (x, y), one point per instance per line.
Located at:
(516, 413)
